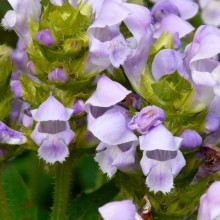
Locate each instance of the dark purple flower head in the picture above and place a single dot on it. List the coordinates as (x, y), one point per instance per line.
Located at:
(45, 37)
(58, 74)
(191, 139)
(146, 119)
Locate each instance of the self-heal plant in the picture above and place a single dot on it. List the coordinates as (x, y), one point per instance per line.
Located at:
(52, 132)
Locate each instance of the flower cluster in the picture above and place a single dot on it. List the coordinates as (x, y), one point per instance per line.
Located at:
(139, 86)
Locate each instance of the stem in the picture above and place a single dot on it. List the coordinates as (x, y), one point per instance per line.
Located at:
(61, 191)
(4, 211)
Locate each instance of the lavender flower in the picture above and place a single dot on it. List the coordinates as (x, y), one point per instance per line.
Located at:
(161, 160)
(52, 132)
(148, 118)
(62, 2)
(210, 12)
(17, 19)
(109, 123)
(191, 139)
(170, 16)
(9, 136)
(210, 203)
(108, 45)
(119, 210)
(45, 37)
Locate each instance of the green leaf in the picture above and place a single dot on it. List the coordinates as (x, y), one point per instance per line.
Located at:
(164, 41)
(33, 92)
(86, 206)
(19, 200)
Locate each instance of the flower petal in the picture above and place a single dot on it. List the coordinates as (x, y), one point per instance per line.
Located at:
(107, 93)
(159, 138)
(160, 178)
(51, 109)
(52, 150)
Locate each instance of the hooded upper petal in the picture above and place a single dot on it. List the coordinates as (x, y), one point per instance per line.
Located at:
(122, 210)
(107, 93)
(159, 138)
(112, 127)
(51, 109)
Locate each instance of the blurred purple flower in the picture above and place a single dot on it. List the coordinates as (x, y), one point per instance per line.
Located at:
(148, 118)
(210, 203)
(210, 12)
(52, 132)
(10, 136)
(17, 19)
(45, 37)
(161, 160)
(62, 2)
(119, 210)
(57, 74)
(170, 16)
(78, 106)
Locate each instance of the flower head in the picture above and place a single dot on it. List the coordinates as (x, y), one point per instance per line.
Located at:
(52, 132)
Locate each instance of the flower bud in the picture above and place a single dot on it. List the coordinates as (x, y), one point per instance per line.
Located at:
(58, 74)
(191, 139)
(146, 119)
(45, 37)
(78, 106)
(30, 66)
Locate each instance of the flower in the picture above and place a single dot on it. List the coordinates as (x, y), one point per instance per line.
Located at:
(210, 203)
(161, 160)
(108, 45)
(210, 12)
(109, 123)
(10, 136)
(17, 19)
(119, 210)
(148, 118)
(52, 132)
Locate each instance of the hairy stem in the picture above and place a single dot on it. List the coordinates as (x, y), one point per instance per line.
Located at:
(62, 190)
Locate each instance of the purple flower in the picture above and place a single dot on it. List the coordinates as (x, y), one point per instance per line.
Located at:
(170, 16)
(167, 61)
(16, 88)
(210, 203)
(52, 132)
(113, 157)
(31, 68)
(191, 139)
(20, 112)
(210, 12)
(161, 160)
(119, 210)
(9, 136)
(148, 118)
(109, 46)
(17, 19)
(45, 37)
(58, 74)
(109, 123)
(62, 2)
